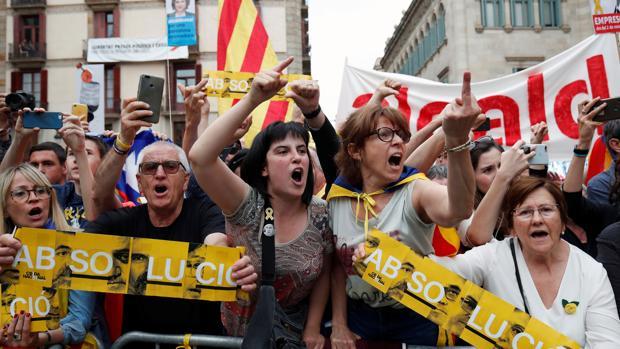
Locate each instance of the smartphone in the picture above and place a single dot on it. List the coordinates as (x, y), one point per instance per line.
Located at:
(80, 110)
(611, 111)
(43, 120)
(486, 125)
(151, 91)
(541, 157)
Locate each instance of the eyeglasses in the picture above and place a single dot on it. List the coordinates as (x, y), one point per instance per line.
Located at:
(386, 134)
(22, 195)
(170, 167)
(527, 213)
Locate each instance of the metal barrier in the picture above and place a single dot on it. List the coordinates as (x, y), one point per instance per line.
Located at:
(198, 339)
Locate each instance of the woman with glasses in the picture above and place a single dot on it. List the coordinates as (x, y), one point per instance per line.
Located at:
(540, 273)
(28, 201)
(276, 176)
(375, 190)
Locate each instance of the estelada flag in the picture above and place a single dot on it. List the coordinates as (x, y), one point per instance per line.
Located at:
(243, 46)
(599, 159)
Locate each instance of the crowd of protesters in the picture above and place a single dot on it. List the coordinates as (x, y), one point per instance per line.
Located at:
(530, 237)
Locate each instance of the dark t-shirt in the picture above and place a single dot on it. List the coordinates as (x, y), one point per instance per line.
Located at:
(71, 204)
(609, 255)
(198, 218)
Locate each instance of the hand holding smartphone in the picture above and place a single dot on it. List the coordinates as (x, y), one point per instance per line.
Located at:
(541, 157)
(151, 91)
(43, 120)
(610, 112)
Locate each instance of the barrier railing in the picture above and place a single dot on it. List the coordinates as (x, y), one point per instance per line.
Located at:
(204, 340)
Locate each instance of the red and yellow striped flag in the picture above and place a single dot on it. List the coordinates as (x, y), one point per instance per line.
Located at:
(243, 46)
(599, 159)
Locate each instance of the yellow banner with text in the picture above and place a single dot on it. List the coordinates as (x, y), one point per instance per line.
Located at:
(51, 260)
(450, 301)
(226, 84)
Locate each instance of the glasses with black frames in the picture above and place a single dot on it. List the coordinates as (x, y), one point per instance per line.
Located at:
(386, 134)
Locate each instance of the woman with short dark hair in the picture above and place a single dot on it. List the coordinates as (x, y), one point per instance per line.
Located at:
(277, 175)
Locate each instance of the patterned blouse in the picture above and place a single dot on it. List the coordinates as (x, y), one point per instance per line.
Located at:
(298, 262)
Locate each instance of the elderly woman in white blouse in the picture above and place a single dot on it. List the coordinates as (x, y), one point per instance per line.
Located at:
(539, 272)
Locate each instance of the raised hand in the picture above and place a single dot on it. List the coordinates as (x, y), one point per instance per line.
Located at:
(73, 133)
(586, 125)
(195, 100)
(461, 114)
(539, 131)
(305, 93)
(387, 88)
(267, 83)
(131, 119)
(514, 161)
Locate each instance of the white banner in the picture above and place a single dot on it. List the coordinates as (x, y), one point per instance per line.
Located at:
(90, 87)
(133, 50)
(549, 91)
(605, 15)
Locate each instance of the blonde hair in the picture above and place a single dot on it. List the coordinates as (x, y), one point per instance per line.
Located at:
(37, 178)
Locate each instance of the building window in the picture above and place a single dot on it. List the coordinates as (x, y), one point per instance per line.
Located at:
(434, 39)
(492, 13)
(33, 82)
(427, 43)
(550, 13)
(521, 13)
(106, 24)
(416, 58)
(441, 25)
(112, 89)
(186, 74)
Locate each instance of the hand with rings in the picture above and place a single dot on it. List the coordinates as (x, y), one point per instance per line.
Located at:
(17, 333)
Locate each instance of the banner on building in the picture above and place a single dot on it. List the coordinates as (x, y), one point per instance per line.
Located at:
(51, 260)
(90, 87)
(549, 91)
(108, 50)
(605, 15)
(453, 303)
(181, 20)
(225, 84)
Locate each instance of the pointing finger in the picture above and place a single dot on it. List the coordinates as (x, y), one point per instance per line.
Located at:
(282, 65)
(466, 89)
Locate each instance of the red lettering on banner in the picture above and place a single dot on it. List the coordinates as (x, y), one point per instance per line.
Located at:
(510, 114)
(536, 100)
(403, 106)
(362, 100)
(562, 110)
(598, 79)
(428, 112)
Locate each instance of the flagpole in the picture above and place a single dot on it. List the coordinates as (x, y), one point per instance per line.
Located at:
(169, 101)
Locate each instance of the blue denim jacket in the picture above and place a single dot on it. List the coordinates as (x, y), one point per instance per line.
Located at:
(78, 320)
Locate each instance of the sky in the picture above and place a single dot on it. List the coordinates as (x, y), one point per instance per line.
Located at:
(355, 30)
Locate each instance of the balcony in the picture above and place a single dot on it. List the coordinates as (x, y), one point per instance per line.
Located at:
(27, 54)
(102, 5)
(17, 4)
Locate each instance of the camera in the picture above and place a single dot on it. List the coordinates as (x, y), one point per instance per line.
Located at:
(20, 100)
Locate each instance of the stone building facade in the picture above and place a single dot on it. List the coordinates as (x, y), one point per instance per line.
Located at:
(45, 39)
(439, 39)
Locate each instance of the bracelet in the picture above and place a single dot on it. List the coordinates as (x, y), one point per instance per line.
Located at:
(580, 153)
(312, 114)
(465, 146)
(119, 151)
(121, 145)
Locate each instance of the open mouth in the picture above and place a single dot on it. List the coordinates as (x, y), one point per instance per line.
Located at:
(160, 189)
(297, 175)
(539, 234)
(395, 159)
(35, 211)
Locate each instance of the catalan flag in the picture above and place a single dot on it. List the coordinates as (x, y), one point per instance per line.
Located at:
(599, 159)
(243, 46)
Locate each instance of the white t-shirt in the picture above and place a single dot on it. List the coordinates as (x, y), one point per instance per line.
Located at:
(595, 324)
